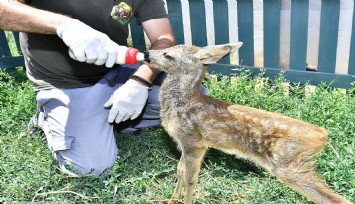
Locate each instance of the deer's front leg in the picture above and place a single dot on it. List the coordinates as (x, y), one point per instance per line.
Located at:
(192, 164)
(180, 180)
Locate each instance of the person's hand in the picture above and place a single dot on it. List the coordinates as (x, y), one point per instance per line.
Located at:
(127, 102)
(87, 44)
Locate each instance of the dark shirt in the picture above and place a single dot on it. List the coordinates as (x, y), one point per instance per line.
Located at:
(47, 61)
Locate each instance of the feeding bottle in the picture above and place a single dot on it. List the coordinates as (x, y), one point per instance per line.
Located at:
(126, 55)
(132, 55)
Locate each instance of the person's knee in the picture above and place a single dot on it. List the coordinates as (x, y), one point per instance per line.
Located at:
(85, 166)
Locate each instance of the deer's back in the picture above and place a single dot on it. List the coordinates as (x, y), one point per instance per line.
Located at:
(241, 130)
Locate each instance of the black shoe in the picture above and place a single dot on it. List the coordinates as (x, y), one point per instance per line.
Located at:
(133, 132)
(33, 126)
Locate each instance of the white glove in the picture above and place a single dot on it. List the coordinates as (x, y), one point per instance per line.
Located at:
(87, 44)
(127, 102)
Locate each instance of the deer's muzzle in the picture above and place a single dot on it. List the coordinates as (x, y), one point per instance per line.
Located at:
(146, 56)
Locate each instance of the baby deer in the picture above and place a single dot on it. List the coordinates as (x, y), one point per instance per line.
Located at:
(282, 145)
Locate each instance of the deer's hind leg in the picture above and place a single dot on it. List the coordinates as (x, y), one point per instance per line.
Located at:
(300, 175)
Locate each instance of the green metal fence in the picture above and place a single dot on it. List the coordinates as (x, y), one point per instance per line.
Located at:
(271, 23)
(6, 58)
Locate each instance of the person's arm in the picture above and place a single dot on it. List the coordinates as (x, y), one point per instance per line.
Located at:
(17, 16)
(87, 44)
(128, 101)
(161, 36)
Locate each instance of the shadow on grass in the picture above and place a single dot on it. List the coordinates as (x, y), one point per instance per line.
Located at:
(217, 159)
(231, 162)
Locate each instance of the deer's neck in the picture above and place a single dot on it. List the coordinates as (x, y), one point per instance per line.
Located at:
(179, 90)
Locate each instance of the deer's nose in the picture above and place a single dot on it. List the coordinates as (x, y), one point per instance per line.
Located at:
(146, 56)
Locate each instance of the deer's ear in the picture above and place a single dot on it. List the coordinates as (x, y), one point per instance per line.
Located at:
(211, 54)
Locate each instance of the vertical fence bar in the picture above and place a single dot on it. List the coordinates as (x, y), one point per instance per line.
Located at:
(328, 38)
(221, 29)
(175, 16)
(272, 13)
(17, 40)
(246, 32)
(4, 46)
(137, 35)
(299, 32)
(351, 68)
(198, 22)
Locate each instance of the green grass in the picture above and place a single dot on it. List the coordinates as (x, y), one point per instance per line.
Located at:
(145, 169)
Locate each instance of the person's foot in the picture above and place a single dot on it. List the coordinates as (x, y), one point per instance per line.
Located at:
(33, 126)
(134, 132)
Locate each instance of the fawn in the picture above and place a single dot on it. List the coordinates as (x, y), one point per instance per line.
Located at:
(282, 145)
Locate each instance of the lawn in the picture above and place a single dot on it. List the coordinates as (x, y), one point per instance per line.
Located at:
(145, 169)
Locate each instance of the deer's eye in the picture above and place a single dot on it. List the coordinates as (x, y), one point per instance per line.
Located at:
(167, 56)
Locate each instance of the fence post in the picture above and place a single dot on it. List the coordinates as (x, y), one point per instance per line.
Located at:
(4, 47)
(299, 31)
(198, 22)
(246, 32)
(221, 26)
(137, 35)
(328, 38)
(272, 12)
(175, 16)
